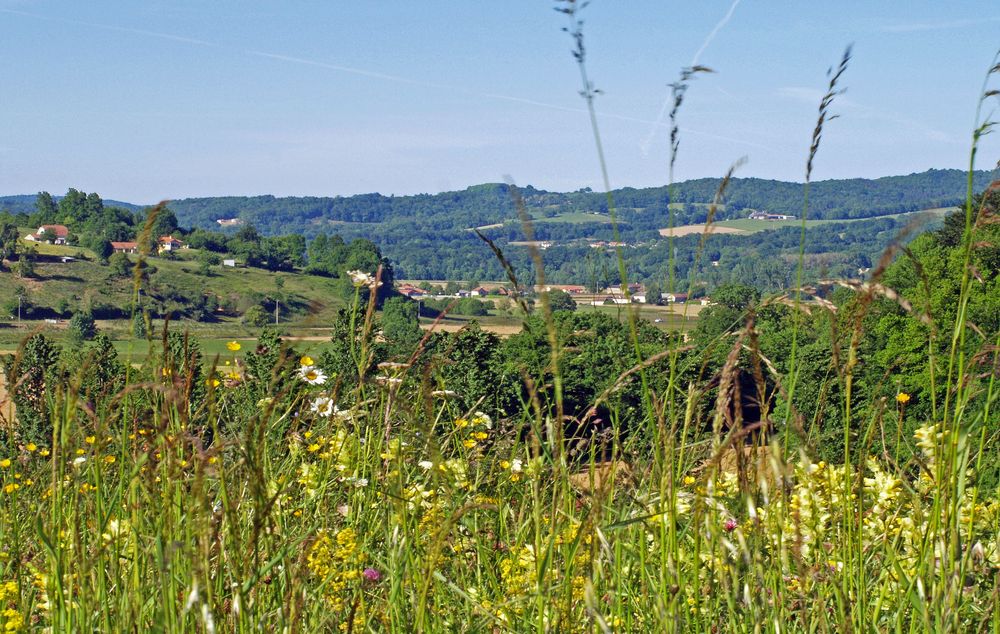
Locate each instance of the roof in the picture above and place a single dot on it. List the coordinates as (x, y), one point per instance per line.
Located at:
(166, 239)
(124, 245)
(59, 230)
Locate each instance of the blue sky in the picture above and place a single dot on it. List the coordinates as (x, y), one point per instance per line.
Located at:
(172, 98)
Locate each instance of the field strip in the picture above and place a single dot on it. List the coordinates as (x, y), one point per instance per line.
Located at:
(686, 230)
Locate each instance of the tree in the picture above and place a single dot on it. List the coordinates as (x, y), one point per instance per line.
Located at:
(25, 267)
(400, 325)
(561, 300)
(45, 209)
(100, 246)
(103, 373)
(142, 326)
(8, 241)
(35, 372)
(165, 223)
(473, 367)
(18, 304)
(256, 316)
(206, 260)
(654, 294)
(120, 265)
(82, 326)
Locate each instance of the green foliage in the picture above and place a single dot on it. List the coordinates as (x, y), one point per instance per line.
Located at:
(353, 354)
(256, 316)
(561, 300)
(18, 303)
(184, 365)
(142, 328)
(82, 326)
(25, 265)
(120, 265)
(8, 240)
(101, 374)
(471, 363)
(34, 370)
(400, 326)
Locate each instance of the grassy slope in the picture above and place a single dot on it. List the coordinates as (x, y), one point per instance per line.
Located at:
(311, 299)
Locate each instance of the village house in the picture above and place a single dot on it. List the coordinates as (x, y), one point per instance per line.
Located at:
(411, 291)
(125, 247)
(56, 234)
(480, 291)
(676, 298)
(170, 243)
(643, 298)
(763, 215)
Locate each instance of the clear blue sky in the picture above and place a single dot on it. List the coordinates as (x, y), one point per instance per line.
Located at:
(172, 98)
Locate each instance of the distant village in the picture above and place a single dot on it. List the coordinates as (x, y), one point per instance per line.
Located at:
(636, 293)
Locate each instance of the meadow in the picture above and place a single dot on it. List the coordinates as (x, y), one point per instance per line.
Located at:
(817, 460)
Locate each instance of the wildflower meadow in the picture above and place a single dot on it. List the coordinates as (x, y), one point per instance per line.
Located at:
(818, 460)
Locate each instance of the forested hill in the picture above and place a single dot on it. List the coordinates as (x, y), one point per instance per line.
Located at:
(25, 203)
(640, 208)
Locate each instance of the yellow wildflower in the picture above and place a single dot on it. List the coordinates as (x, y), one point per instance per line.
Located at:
(306, 360)
(5, 463)
(902, 398)
(233, 346)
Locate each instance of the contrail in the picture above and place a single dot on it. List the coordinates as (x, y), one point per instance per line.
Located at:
(715, 31)
(648, 141)
(375, 74)
(112, 27)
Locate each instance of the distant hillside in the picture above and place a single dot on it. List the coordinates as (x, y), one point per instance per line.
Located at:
(25, 203)
(646, 208)
(428, 236)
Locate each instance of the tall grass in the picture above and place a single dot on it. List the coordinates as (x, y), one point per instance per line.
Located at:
(265, 498)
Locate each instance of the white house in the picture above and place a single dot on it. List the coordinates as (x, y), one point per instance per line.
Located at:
(229, 263)
(56, 234)
(170, 243)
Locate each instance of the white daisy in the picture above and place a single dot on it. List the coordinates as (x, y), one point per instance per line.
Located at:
(324, 406)
(312, 375)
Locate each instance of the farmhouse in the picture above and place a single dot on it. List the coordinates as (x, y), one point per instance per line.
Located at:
(229, 222)
(676, 298)
(125, 247)
(56, 234)
(170, 243)
(763, 215)
(411, 291)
